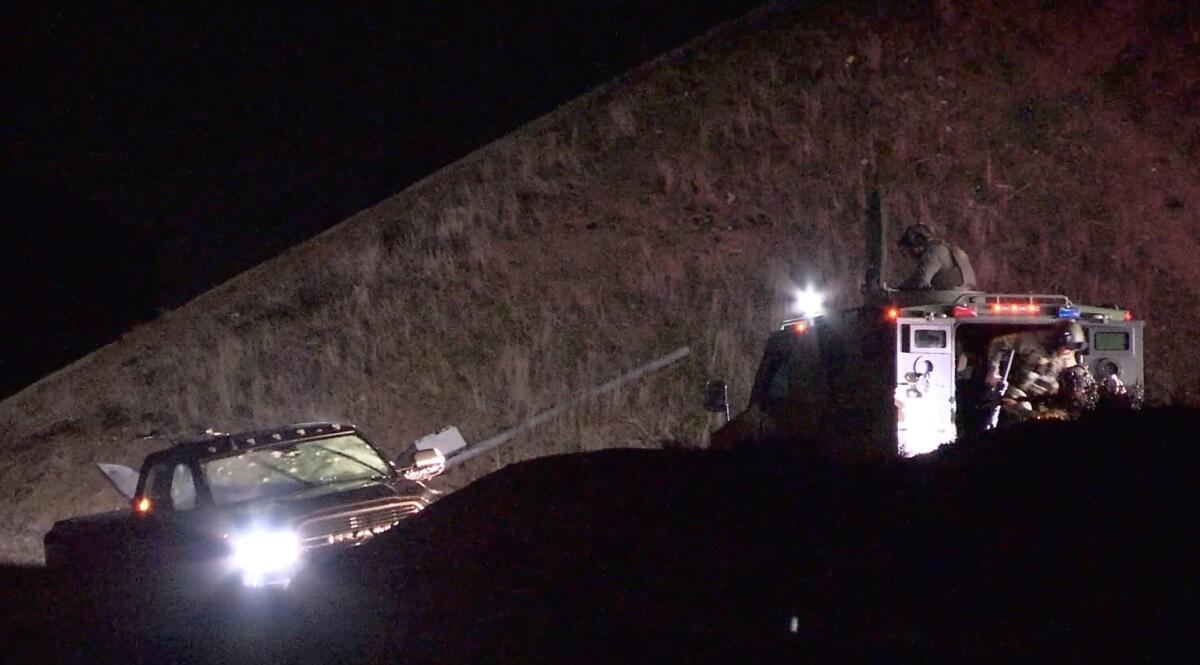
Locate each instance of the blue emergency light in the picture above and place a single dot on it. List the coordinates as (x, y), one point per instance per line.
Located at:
(1068, 312)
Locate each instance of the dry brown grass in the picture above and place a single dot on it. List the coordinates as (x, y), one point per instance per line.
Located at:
(675, 207)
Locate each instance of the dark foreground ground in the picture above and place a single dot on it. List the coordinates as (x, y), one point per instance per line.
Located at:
(1064, 541)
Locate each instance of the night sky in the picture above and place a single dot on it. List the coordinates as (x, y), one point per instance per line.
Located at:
(152, 154)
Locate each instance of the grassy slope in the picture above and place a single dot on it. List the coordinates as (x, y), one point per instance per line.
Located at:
(675, 207)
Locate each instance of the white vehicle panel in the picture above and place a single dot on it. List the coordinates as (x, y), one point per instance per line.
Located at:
(924, 386)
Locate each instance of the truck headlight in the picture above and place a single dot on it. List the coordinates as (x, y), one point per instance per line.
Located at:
(258, 554)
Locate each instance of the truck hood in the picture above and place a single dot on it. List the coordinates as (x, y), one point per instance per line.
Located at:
(277, 512)
(325, 498)
(97, 520)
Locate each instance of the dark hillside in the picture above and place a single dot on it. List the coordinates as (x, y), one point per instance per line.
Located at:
(221, 136)
(678, 205)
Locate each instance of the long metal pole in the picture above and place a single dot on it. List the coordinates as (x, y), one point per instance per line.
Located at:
(471, 452)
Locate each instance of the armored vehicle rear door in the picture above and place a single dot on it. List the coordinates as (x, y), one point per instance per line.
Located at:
(924, 385)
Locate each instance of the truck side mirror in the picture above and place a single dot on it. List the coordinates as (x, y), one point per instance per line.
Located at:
(425, 465)
(716, 397)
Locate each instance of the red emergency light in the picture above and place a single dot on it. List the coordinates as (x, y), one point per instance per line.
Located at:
(963, 310)
(800, 327)
(1013, 308)
(891, 313)
(1128, 316)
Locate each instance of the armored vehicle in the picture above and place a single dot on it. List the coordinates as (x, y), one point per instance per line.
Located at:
(911, 370)
(908, 376)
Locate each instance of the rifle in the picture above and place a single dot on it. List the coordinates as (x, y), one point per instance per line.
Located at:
(1001, 388)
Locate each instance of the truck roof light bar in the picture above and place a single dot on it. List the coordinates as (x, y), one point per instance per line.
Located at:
(959, 311)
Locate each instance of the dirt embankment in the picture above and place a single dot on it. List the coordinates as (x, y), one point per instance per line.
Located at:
(1063, 541)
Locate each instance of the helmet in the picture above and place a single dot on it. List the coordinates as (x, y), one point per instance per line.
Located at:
(1072, 337)
(917, 235)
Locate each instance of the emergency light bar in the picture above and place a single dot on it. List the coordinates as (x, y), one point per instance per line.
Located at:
(1014, 308)
(1026, 305)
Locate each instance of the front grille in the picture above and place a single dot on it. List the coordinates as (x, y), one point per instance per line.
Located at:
(356, 523)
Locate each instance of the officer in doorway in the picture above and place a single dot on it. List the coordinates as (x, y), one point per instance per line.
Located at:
(940, 265)
(1046, 379)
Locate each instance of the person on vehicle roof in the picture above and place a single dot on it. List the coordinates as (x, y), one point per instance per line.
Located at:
(940, 265)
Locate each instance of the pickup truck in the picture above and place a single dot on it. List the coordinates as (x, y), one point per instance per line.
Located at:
(256, 506)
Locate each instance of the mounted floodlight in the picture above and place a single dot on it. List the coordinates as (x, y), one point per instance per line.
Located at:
(809, 302)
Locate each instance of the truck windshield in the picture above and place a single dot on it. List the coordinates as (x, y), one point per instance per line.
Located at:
(291, 467)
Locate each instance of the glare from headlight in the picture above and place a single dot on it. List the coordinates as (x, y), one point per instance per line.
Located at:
(808, 302)
(261, 552)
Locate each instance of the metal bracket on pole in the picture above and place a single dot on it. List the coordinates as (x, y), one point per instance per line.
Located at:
(500, 439)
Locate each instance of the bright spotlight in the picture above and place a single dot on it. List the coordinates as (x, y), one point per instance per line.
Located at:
(266, 557)
(808, 302)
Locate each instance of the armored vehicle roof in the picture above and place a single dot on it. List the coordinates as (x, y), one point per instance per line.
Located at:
(934, 304)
